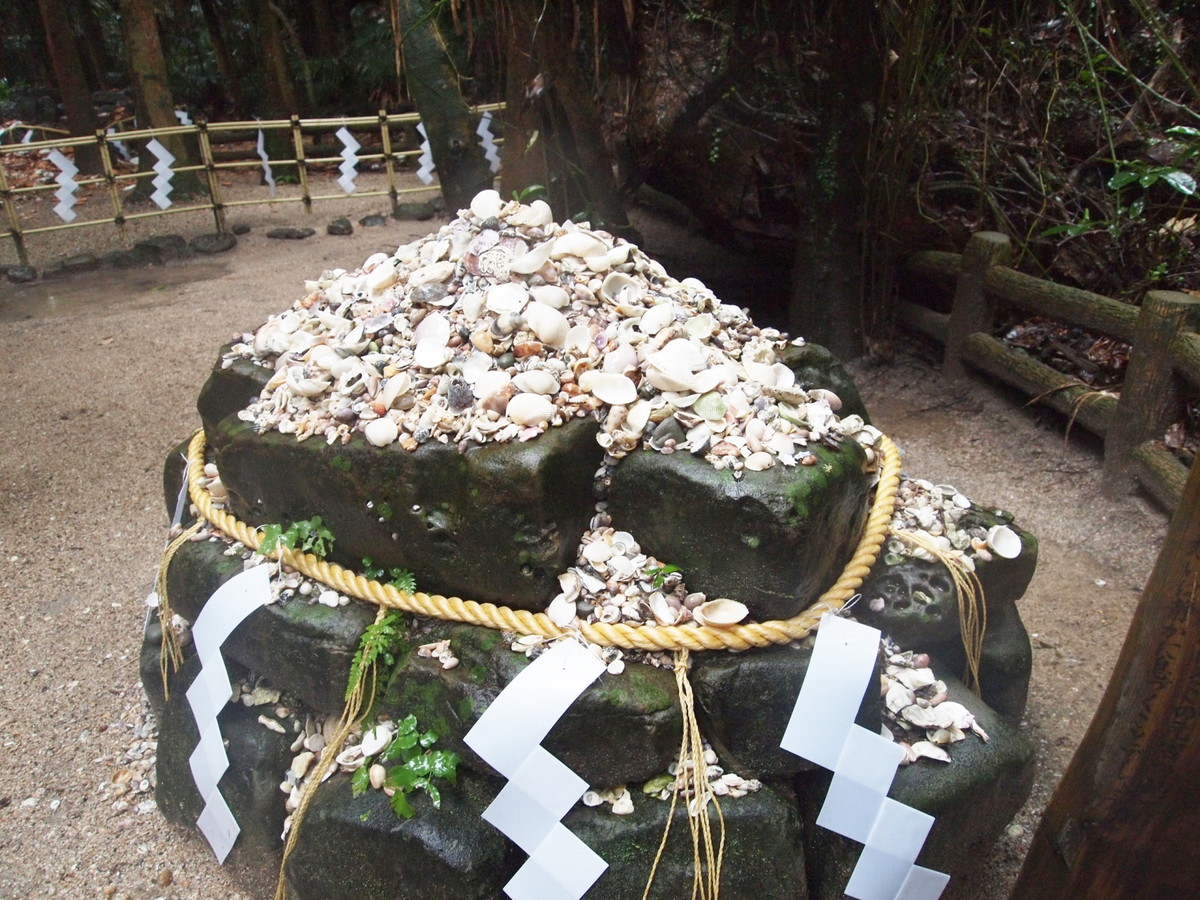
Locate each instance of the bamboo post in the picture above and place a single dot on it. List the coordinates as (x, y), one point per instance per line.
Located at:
(1124, 819)
(301, 163)
(972, 309)
(389, 164)
(14, 222)
(110, 180)
(1150, 397)
(210, 171)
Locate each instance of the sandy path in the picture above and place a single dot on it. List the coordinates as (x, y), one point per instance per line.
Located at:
(99, 385)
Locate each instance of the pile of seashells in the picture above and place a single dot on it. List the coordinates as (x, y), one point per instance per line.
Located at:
(917, 710)
(503, 324)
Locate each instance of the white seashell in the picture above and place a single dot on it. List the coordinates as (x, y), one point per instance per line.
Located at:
(381, 432)
(476, 366)
(598, 551)
(701, 326)
(437, 272)
(304, 386)
(561, 611)
(616, 667)
(720, 613)
(578, 243)
(664, 612)
(579, 338)
(760, 461)
(471, 304)
(924, 717)
(529, 409)
(351, 757)
(898, 696)
(609, 387)
(569, 584)
(1004, 541)
(506, 298)
(829, 397)
(382, 277)
(623, 805)
(680, 354)
(551, 295)
(486, 204)
(536, 213)
(592, 798)
(431, 337)
(637, 418)
(378, 775)
(377, 738)
(536, 381)
(670, 381)
(547, 323)
(490, 382)
(657, 318)
(760, 373)
(589, 581)
(373, 260)
(913, 678)
(532, 260)
(620, 290)
(930, 751)
(301, 763)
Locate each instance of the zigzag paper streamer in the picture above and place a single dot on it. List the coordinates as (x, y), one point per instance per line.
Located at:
(162, 181)
(232, 602)
(65, 179)
(349, 159)
(540, 788)
(268, 177)
(822, 730)
(490, 151)
(425, 160)
(183, 117)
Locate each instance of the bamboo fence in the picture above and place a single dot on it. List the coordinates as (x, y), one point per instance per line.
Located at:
(201, 136)
(1164, 359)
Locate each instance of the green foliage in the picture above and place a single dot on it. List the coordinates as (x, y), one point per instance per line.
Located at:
(416, 766)
(307, 536)
(658, 574)
(531, 192)
(399, 578)
(380, 641)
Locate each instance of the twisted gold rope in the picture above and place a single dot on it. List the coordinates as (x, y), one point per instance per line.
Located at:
(689, 636)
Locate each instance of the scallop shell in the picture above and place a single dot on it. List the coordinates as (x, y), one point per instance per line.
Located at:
(486, 204)
(382, 277)
(536, 213)
(578, 243)
(551, 295)
(529, 409)
(657, 318)
(610, 387)
(620, 290)
(547, 323)
(529, 262)
(536, 381)
(377, 738)
(381, 432)
(1004, 541)
(720, 613)
(561, 611)
(507, 298)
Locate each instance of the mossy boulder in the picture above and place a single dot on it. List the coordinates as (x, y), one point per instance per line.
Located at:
(774, 540)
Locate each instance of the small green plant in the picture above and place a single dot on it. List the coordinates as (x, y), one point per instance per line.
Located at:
(658, 574)
(399, 578)
(416, 767)
(308, 536)
(380, 641)
(531, 192)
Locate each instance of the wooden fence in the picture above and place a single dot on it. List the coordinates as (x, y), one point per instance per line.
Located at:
(202, 136)
(1164, 359)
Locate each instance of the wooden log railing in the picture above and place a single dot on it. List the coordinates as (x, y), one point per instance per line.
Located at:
(1165, 355)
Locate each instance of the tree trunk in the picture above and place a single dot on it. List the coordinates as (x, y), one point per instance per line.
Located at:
(1123, 821)
(231, 83)
(72, 83)
(282, 102)
(152, 91)
(433, 84)
(827, 302)
(548, 96)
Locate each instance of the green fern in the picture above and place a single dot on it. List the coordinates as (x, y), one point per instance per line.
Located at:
(380, 641)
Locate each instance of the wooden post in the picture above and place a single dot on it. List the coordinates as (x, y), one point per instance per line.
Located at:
(1123, 821)
(210, 171)
(301, 163)
(972, 310)
(14, 221)
(1150, 396)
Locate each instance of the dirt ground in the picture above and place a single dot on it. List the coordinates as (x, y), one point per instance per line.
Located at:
(100, 376)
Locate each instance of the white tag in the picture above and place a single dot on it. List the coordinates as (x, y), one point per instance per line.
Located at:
(350, 148)
(162, 181)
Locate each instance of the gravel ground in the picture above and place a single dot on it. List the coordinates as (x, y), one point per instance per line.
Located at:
(102, 372)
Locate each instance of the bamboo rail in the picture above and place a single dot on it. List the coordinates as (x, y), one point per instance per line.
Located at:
(1165, 355)
(203, 135)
